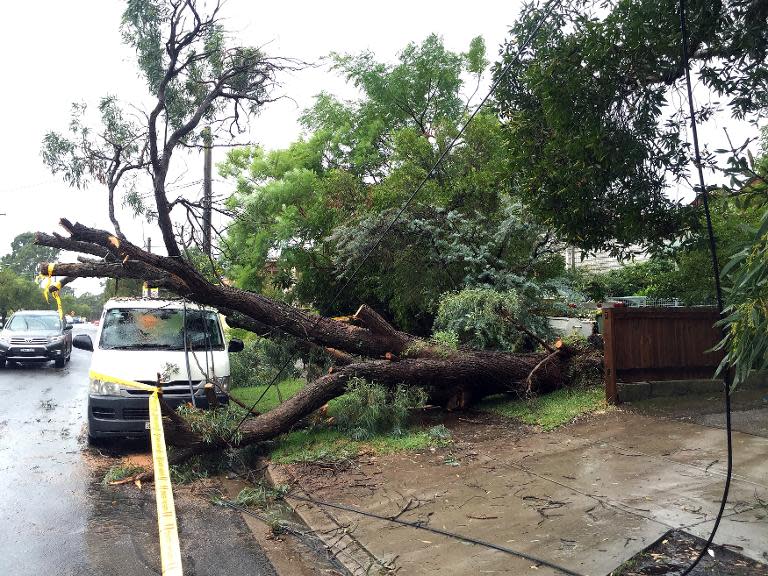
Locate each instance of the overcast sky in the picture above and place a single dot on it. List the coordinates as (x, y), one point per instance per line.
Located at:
(59, 52)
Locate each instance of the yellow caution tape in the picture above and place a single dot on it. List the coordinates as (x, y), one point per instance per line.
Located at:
(127, 383)
(57, 297)
(47, 288)
(170, 551)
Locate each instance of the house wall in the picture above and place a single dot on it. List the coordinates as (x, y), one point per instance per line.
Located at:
(597, 262)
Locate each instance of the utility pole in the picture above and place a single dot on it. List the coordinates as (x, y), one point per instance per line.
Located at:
(207, 192)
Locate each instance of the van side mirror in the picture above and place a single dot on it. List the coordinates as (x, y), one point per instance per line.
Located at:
(83, 342)
(236, 345)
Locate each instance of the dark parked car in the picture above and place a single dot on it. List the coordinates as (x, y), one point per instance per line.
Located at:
(34, 336)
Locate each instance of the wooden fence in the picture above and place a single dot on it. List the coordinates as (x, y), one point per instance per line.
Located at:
(658, 344)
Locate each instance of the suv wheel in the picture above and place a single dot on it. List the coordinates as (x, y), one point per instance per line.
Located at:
(59, 362)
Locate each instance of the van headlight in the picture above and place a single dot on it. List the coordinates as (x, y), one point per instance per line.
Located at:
(223, 383)
(102, 388)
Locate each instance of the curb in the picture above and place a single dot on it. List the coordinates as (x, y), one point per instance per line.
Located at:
(336, 536)
(634, 391)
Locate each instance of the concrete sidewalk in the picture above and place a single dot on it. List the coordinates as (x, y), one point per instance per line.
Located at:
(588, 496)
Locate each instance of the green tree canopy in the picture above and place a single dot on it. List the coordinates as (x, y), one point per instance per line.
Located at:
(25, 256)
(310, 212)
(589, 116)
(17, 293)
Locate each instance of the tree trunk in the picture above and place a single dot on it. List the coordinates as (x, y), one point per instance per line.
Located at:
(366, 347)
(455, 381)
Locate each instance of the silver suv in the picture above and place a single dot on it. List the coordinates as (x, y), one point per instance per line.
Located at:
(35, 336)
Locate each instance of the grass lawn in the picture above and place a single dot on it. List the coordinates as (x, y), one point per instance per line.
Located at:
(331, 445)
(249, 394)
(550, 410)
(328, 444)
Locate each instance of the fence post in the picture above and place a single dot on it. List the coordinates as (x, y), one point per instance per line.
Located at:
(611, 393)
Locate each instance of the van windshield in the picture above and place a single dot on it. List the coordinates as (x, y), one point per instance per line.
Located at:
(160, 329)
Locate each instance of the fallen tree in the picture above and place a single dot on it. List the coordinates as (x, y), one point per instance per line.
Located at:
(195, 79)
(371, 348)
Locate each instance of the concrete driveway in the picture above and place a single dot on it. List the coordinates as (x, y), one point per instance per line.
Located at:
(588, 496)
(57, 518)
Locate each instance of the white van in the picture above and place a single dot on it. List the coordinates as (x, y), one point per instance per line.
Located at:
(144, 339)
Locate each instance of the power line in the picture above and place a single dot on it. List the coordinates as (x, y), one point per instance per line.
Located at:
(28, 186)
(547, 11)
(718, 287)
(442, 532)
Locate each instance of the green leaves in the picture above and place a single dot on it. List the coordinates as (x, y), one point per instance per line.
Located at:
(475, 57)
(142, 29)
(746, 315)
(486, 318)
(594, 138)
(314, 209)
(25, 256)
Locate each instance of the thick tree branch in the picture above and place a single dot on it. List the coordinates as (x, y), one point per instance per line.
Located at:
(238, 320)
(58, 241)
(131, 269)
(304, 325)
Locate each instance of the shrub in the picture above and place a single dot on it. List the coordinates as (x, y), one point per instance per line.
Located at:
(485, 318)
(368, 409)
(262, 359)
(446, 338)
(213, 425)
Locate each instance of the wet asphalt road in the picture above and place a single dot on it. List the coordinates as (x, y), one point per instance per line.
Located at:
(55, 516)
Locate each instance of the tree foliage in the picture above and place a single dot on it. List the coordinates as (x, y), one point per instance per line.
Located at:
(17, 293)
(484, 318)
(194, 74)
(746, 343)
(746, 313)
(590, 116)
(312, 211)
(25, 256)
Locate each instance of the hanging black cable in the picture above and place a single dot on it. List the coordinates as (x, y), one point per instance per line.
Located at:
(718, 288)
(547, 11)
